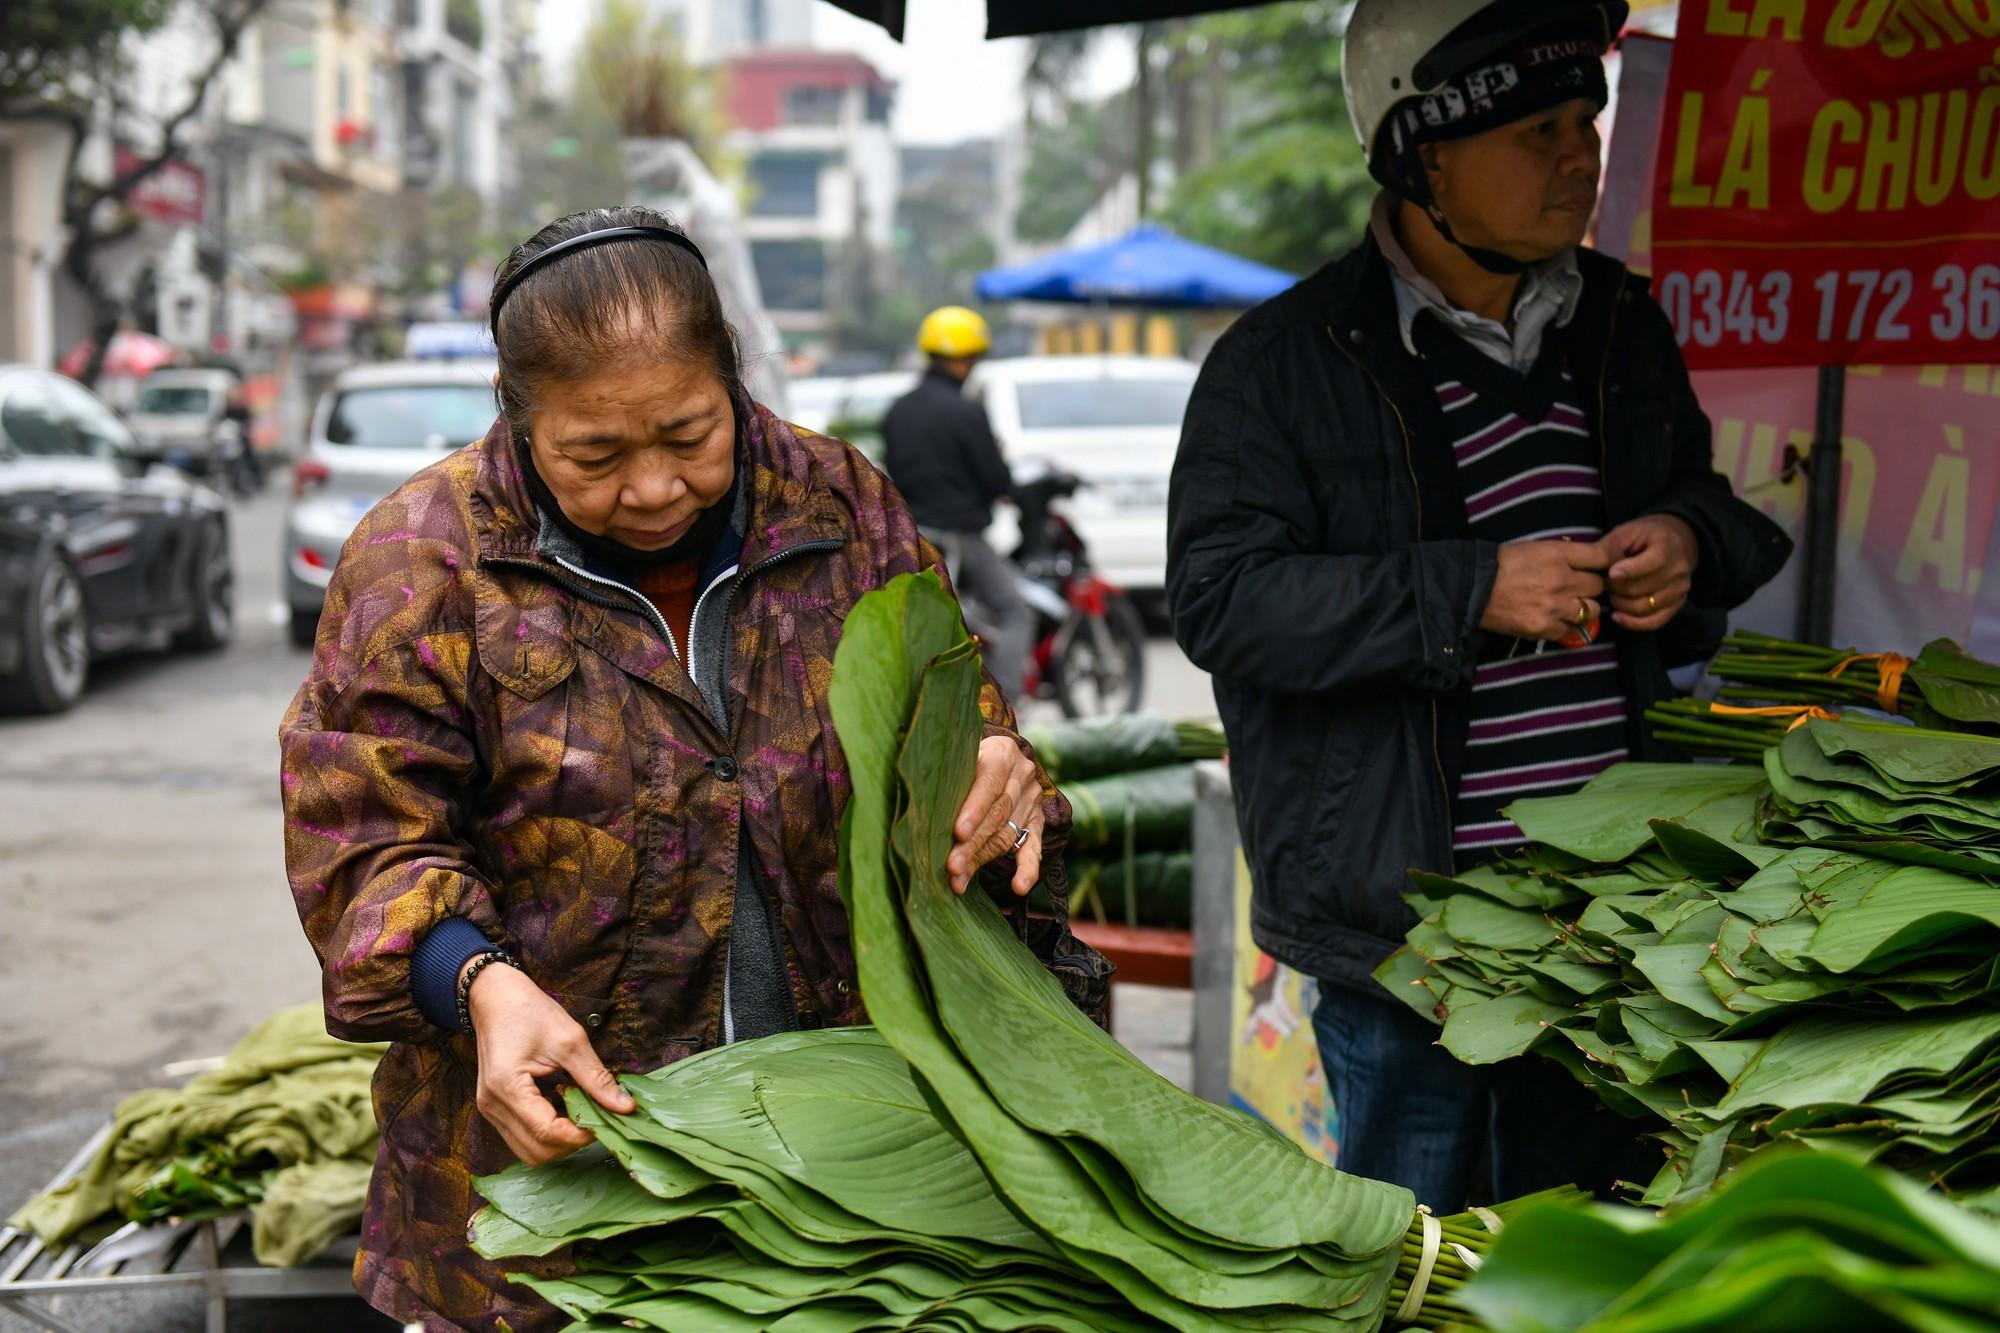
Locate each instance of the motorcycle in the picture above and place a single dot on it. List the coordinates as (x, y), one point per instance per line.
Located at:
(1089, 641)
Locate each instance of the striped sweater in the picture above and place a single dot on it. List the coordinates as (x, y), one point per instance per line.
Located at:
(1544, 719)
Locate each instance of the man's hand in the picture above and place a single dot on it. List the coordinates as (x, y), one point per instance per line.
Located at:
(1005, 786)
(1545, 589)
(524, 1035)
(1652, 562)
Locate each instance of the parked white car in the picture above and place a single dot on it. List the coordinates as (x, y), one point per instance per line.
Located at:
(816, 401)
(851, 406)
(869, 397)
(1115, 421)
(376, 427)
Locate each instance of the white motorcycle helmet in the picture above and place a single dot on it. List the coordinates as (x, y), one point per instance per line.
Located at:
(1398, 49)
(1440, 54)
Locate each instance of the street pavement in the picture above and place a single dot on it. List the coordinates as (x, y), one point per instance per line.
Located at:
(145, 919)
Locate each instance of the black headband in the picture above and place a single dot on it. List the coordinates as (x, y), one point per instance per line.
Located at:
(588, 239)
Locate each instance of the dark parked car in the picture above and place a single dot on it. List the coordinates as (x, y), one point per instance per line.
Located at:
(98, 553)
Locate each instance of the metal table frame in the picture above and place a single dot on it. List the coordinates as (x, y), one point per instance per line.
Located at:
(212, 1254)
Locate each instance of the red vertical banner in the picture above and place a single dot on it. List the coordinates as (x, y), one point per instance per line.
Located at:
(1920, 508)
(1827, 186)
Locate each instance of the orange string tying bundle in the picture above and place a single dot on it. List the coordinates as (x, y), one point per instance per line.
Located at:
(1799, 713)
(1892, 666)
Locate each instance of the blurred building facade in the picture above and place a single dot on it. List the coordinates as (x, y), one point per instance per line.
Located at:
(823, 171)
(31, 172)
(712, 31)
(348, 121)
(296, 225)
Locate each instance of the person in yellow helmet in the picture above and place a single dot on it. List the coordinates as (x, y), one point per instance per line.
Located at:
(940, 451)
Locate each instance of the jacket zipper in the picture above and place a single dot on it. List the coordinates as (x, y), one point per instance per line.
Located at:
(1417, 496)
(1604, 464)
(694, 617)
(643, 603)
(775, 558)
(591, 595)
(773, 916)
(736, 583)
(660, 622)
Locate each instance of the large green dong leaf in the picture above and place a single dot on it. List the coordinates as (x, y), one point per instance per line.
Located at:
(1610, 820)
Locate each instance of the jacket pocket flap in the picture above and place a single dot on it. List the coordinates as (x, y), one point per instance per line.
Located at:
(525, 639)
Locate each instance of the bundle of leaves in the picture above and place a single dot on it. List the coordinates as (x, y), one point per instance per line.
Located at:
(1794, 1241)
(985, 1156)
(1098, 747)
(1143, 889)
(1902, 793)
(1150, 809)
(1733, 993)
(797, 1182)
(1130, 784)
(1767, 683)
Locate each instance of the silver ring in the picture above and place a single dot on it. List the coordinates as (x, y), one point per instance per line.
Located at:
(1020, 834)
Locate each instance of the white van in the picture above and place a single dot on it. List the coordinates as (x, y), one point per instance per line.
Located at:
(181, 417)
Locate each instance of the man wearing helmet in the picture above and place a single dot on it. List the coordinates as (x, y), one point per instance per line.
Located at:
(1442, 517)
(939, 449)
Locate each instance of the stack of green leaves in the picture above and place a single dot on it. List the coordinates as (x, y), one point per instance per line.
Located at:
(1129, 780)
(801, 1182)
(1130, 812)
(1794, 1241)
(1731, 992)
(1899, 792)
(1122, 1171)
(1767, 682)
(985, 1156)
(1144, 889)
(1098, 747)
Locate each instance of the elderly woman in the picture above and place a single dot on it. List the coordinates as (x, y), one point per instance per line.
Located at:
(562, 791)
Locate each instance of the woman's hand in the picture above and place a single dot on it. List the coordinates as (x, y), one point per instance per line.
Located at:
(1006, 786)
(524, 1035)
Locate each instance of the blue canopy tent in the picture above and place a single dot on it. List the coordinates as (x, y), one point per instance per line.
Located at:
(1149, 266)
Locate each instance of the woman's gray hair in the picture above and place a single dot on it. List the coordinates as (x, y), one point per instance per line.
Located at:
(606, 305)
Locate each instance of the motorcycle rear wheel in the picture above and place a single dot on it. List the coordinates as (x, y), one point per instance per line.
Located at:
(1098, 664)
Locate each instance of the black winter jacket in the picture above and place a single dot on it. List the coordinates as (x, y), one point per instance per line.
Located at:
(1319, 565)
(940, 452)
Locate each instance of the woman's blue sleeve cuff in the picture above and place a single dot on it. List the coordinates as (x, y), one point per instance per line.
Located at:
(441, 955)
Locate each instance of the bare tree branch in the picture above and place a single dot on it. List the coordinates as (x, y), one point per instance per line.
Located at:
(230, 21)
(81, 200)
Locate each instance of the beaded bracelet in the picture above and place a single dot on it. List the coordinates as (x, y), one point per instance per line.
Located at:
(465, 983)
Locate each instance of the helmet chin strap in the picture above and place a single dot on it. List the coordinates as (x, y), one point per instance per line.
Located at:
(1492, 261)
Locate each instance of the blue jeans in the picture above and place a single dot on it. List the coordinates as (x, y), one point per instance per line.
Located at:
(1456, 1134)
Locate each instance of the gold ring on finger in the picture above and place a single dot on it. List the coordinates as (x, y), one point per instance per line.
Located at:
(1582, 613)
(1652, 602)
